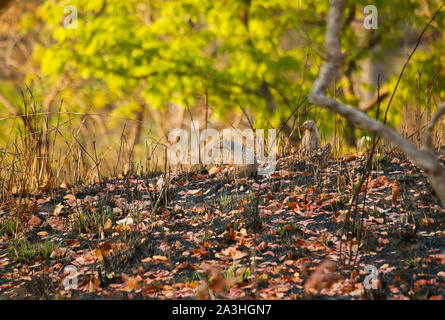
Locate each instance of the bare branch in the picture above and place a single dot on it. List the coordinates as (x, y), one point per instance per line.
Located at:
(368, 105)
(424, 159)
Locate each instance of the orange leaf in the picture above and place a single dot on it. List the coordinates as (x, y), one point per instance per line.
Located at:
(131, 283)
(93, 285)
(58, 209)
(195, 192)
(161, 258)
(395, 191)
(34, 221)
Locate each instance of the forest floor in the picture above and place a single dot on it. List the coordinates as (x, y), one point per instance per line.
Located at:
(288, 236)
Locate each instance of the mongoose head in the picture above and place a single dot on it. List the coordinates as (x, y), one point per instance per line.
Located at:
(309, 125)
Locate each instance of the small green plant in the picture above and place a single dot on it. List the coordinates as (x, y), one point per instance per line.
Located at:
(231, 271)
(80, 221)
(380, 158)
(189, 280)
(289, 229)
(86, 218)
(137, 216)
(225, 200)
(99, 216)
(198, 275)
(251, 196)
(206, 237)
(8, 227)
(376, 214)
(242, 272)
(412, 262)
(246, 274)
(25, 251)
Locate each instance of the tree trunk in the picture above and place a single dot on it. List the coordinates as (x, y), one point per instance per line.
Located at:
(426, 158)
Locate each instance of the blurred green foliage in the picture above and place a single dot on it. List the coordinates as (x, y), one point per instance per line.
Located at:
(241, 51)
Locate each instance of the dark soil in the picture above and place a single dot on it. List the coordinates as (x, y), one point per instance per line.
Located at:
(283, 227)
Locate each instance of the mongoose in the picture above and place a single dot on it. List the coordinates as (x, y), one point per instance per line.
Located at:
(311, 137)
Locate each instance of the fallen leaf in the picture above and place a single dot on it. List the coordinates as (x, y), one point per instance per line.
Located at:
(131, 283)
(73, 243)
(64, 185)
(69, 197)
(419, 283)
(428, 222)
(34, 221)
(99, 255)
(93, 285)
(378, 220)
(161, 258)
(214, 170)
(58, 209)
(108, 225)
(349, 157)
(395, 191)
(182, 182)
(127, 220)
(195, 192)
(217, 280)
(88, 200)
(160, 184)
(58, 253)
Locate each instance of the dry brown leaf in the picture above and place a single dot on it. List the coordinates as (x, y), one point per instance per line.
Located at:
(99, 255)
(69, 197)
(429, 222)
(182, 182)
(88, 200)
(281, 174)
(378, 220)
(93, 285)
(58, 253)
(395, 191)
(195, 192)
(64, 185)
(323, 277)
(106, 248)
(58, 209)
(123, 228)
(349, 157)
(131, 283)
(108, 225)
(162, 258)
(34, 221)
(214, 170)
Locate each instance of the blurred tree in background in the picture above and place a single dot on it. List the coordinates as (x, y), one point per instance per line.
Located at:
(148, 60)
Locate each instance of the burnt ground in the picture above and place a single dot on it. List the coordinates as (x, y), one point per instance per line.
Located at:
(265, 237)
